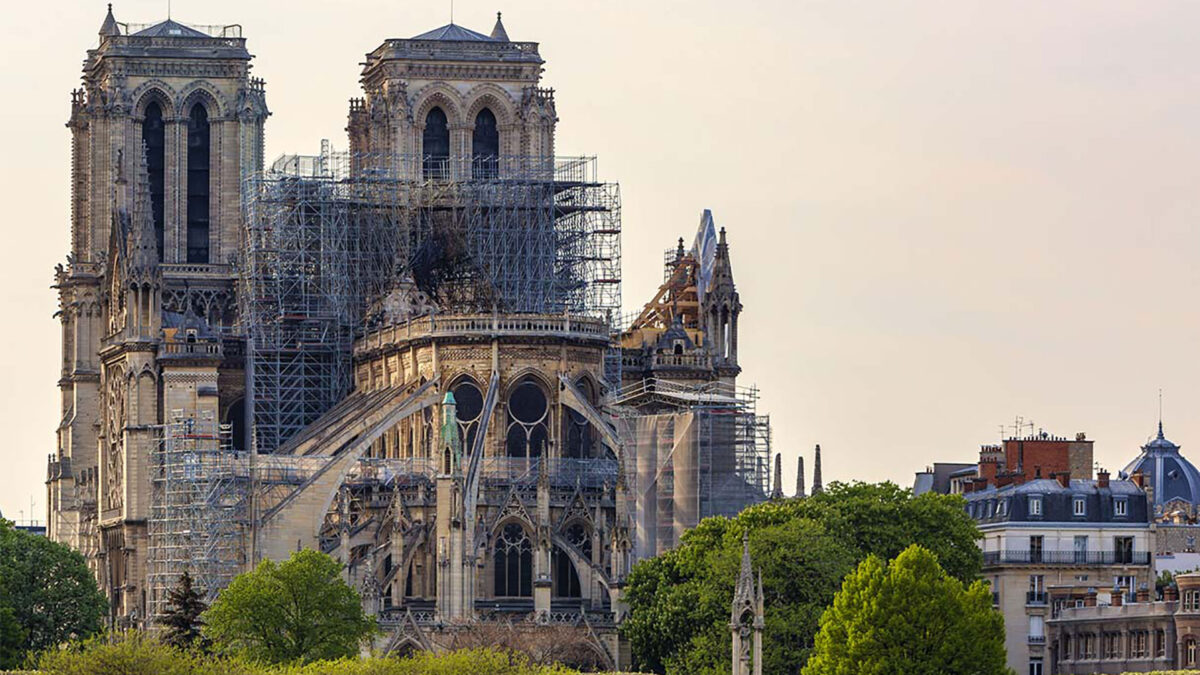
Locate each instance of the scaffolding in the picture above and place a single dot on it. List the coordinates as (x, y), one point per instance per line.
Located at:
(197, 511)
(696, 450)
(329, 235)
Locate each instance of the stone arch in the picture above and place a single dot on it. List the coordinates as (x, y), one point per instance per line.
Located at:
(489, 95)
(147, 397)
(441, 95)
(154, 91)
(205, 94)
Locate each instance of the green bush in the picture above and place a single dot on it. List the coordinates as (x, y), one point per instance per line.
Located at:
(135, 653)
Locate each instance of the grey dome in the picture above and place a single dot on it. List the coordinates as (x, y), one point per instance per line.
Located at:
(1168, 471)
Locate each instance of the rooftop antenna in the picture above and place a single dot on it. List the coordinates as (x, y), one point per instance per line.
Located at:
(451, 12)
(168, 10)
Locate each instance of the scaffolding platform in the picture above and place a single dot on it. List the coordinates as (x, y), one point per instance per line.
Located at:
(328, 235)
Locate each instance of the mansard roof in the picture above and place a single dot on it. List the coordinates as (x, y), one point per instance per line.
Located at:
(454, 32)
(171, 28)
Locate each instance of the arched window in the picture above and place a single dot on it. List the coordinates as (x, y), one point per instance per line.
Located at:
(566, 579)
(235, 417)
(579, 437)
(197, 184)
(527, 413)
(513, 563)
(436, 143)
(485, 145)
(468, 408)
(154, 140)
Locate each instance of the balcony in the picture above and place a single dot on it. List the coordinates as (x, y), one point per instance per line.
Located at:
(1036, 639)
(1035, 598)
(1065, 557)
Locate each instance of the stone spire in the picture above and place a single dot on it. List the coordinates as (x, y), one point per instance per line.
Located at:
(451, 434)
(746, 619)
(817, 487)
(744, 591)
(777, 485)
(142, 246)
(109, 27)
(800, 477)
(498, 32)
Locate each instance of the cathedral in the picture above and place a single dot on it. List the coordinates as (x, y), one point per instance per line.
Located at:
(409, 355)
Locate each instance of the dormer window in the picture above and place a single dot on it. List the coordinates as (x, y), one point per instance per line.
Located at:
(191, 335)
(1120, 507)
(1080, 506)
(678, 347)
(1035, 506)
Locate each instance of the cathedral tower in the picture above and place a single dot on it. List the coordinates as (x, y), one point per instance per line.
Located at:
(167, 124)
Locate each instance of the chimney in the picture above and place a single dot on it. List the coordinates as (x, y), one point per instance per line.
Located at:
(1102, 478)
(1063, 477)
(1090, 600)
(1138, 478)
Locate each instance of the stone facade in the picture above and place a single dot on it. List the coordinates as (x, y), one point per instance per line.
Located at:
(1130, 633)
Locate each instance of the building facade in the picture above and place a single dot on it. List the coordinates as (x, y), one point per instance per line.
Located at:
(1061, 537)
(1142, 633)
(408, 356)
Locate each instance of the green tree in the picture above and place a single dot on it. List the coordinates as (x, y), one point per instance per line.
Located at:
(909, 618)
(185, 604)
(47, 591)
(297, 610)
(680, 601)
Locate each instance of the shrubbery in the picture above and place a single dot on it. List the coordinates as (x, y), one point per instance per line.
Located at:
(136, 654)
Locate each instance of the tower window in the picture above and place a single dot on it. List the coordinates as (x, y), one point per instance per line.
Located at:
(197, 184)
(485, 146)
(436, 143)
(154, 140)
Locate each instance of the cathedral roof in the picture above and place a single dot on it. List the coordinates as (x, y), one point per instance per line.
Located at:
(454, 32)
(1171, 474)
(170, 28)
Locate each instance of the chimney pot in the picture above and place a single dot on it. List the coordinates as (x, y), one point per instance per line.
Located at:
(1064, 478)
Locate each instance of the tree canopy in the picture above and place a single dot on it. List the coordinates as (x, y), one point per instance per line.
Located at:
(47, 595)
(909, 618)
(297, 610)
(680, 601)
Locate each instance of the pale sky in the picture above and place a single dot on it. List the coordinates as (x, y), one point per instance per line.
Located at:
(941, 215)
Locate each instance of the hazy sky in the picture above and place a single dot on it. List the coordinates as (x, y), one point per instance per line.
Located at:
(941, 215)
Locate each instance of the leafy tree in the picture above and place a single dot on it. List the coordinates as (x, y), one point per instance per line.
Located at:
(48, 593)
(909, 618)
(297, 610)
(680, 601)
(185, 604)
(12, 638)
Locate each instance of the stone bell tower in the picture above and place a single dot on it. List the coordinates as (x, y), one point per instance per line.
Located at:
(167, 124)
